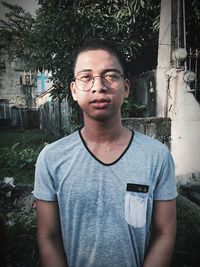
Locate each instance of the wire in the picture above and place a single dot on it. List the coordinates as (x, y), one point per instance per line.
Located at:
(184, 32)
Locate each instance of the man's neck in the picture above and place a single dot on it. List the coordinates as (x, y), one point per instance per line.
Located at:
(103, 132)
(106, 140)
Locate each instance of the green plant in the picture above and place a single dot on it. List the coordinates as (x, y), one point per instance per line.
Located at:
(131, 109)
(13, 157)
(18, 152)
(27, 138)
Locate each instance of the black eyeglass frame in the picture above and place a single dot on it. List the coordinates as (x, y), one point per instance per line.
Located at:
(93, 79)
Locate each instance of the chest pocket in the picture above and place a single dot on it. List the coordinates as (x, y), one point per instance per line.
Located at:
(136, 205)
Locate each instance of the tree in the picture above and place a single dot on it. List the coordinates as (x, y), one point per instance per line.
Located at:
(49, 40)
(192, 10)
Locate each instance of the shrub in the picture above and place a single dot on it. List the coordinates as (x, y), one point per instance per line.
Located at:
(21, 231)
(14, 158)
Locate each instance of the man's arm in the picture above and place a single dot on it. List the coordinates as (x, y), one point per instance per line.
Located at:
(163, 236)
(49, 235)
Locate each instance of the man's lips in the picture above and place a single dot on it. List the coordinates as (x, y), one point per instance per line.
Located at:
(100, 102)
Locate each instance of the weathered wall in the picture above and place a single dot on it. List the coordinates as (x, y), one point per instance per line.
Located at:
(184, 111)
(54, 116)
(158, 128)
(8, 85)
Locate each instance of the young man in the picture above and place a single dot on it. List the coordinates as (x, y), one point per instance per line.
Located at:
(99, 189)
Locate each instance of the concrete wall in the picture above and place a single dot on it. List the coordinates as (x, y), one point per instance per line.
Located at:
(158, 128)
(184, 111)
(10, 86)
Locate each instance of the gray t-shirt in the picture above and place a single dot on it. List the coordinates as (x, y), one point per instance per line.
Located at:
(105, 209)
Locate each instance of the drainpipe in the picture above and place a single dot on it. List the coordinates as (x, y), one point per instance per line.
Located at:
(167, 96)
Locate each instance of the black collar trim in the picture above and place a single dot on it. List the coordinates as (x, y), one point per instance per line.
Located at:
(106, 164)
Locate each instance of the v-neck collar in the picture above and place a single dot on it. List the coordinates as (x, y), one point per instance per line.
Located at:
(103, 163)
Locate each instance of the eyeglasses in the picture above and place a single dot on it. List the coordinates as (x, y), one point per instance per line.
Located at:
(85, 81)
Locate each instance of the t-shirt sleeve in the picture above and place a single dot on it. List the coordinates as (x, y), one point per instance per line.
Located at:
(44, 188)
(166, 183)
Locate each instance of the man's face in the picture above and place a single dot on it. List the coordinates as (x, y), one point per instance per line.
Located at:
(103, 101)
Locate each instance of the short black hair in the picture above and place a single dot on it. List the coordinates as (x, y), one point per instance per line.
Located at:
(100, 44)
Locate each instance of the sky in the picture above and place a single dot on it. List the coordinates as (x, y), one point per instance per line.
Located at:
(28, 5)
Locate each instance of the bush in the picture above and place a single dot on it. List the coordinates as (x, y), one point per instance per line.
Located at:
(18, 152)
(20, 225)
(16, 158)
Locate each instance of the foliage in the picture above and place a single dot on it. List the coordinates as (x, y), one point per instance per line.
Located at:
(21, 147)
(22, 241)
(192, 10)
(18, 152)
(130, 109)
(32, 138)
(48, 41)
(12, 158)
(20, 221)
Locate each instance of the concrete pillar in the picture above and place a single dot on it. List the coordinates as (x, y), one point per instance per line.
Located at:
(164, 56)
(184, 112)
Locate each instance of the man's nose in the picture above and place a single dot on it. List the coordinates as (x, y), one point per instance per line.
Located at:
(98, 84)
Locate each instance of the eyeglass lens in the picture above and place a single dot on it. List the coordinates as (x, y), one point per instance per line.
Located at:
(86, 82)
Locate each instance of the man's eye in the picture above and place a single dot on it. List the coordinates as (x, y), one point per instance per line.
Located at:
(111, 77)
(85, 78)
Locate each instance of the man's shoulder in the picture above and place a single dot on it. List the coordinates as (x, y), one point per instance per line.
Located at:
(149, 143)
(65, 143)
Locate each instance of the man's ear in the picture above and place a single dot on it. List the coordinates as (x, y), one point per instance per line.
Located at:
(126, 88)
(73, 90)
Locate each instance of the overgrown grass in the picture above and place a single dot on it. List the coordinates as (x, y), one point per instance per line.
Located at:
(27, 138)
(18, 153)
